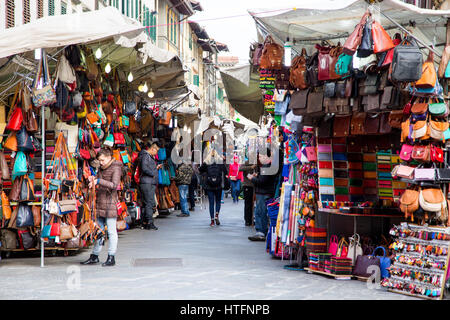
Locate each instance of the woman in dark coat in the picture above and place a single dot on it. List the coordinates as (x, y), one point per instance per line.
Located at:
(107, 181)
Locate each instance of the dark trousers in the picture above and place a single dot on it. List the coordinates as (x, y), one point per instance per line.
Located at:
(192, 187)
(248, 204)
(148, 201)
(214, 196)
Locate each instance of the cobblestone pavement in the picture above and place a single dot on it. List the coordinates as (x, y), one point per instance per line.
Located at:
(205, 263)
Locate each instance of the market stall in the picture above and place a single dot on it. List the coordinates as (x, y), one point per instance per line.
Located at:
(85, 89)
(364, 119)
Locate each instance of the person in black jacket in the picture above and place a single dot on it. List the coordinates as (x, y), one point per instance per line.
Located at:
(214, 176)
(264, 189)
(148, 182)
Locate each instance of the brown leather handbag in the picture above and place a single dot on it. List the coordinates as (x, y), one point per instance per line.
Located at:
(341, 126)
(134, 126)
(373, 103)
(330, 105)
(297, 76)
(354, 40)
(419, 107)
(372, 123)
(421, 153)
(4, 167)
(31, 124)
(14, 194)
(298, 102)
(384, 124)
(272, 55)
(409, 202)
(315, 103)
(36, 215)
(343, 106)
(429, 76)
(395, 119)
(357, 123)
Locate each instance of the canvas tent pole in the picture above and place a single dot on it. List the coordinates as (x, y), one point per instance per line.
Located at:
(43, 165)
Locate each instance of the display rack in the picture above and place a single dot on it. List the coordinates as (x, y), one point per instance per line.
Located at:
(336, 276)
(408, 240)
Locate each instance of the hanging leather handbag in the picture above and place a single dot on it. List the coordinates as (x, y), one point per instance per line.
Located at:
(419, 107)
(24, 142)
(16, 120)
(381, 39)
(429, 76)
(312, 70)
(436, 154)
(330, 105)
(329, 90)
(432, 200)
(272, 55)
(390, 99)
(354, 40)
(421, 153)
(357, 123)
(68, 206)
(134, 126)
(443, 175)
(395, 119)
(297, 76)
(373, 103)
(341, 126)
(420, 129)
(340, 89)
(343, 106)
(369, 85)
(130, 108)
(403, 171)
(407, 61)
(335, 53)
(315, 103)
(354, 248)
(36, 210)
(24, 216)
(11, 142)
(27, 190)
(324, 62)
(385, 128)
(372, 124)
(365, 49)
(437, 130)
(4, 167)
(298, 102)
(119, 139)
(438, 109)
(14, 194)
(30, 121)
(424, 174)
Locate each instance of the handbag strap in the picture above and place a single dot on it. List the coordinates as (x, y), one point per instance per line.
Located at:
(384, 251)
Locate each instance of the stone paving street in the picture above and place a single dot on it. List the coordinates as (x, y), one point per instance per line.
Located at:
(206, 263)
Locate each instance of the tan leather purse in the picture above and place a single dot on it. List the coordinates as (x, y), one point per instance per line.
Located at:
(409, 202)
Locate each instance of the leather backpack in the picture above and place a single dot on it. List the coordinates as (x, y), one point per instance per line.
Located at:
(407, 61)
(272, 55)
(298, 102)
(409, 202)
(297, 77)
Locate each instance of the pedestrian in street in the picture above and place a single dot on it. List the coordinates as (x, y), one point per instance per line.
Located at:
(264, 189)
(107, 181)
(215, 172)
(236, 178)
(183, 180)
(148, 182)
(249, 192)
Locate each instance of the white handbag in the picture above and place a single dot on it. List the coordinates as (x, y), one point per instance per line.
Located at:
(65, 71)
(437, 207)
(354, 248)
(419, 133)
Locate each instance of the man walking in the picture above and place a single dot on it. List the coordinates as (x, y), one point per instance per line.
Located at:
(183, 180)
(148, 182)
(249, 192)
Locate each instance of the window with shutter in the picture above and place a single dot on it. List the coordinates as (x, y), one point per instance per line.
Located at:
(10, 22)
(26, 11)
(63, 8)
(40, 8)
(51, 7)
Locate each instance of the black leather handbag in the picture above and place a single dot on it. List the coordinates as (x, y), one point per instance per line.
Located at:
(329, 90)
(366, 47)
(369, 85)
(312, 70)
(443, 175)
(407, 61)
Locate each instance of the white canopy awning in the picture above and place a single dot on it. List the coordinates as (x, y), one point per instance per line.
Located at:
(313, 21)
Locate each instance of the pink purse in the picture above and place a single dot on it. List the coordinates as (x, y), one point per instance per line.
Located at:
(333, 245)
(311, 153)
(404, 172)
(406, 152)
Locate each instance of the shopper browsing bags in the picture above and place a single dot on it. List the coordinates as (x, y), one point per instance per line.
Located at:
(148, 182)
(107, 181)
(183, 180)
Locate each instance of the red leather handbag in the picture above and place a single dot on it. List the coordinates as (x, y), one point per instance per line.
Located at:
(119, 138)
(324, 62)
(16, 120)
(55, 230)
(436, 154)
(381, 39)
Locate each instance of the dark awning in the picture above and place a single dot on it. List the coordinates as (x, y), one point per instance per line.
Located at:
(183, 7)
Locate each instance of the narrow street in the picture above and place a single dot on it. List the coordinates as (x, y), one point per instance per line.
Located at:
(185, 259)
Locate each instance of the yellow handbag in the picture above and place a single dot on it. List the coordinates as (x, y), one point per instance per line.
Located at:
(83, 113)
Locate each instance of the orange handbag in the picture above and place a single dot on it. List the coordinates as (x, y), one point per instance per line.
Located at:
(381, 39)
(92, 117)
(6, 208)
(11, 142)
(429, 76)
(166, 121)
(116, 155)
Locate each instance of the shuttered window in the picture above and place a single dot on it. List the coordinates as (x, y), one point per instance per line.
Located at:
(63, 8)
(26, 11)
(51, 7)
(10, 22)
(40, 8)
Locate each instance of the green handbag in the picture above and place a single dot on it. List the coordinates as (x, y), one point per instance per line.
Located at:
(342, 66)
(439, 109)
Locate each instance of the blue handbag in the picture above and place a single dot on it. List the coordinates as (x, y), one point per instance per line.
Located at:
(46, 231)
(385, 262)
(166, 177)
(160, 177)
(20, 165)
(162, 154)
